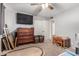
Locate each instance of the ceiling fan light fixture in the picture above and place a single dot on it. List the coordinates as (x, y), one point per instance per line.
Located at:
(45, 5)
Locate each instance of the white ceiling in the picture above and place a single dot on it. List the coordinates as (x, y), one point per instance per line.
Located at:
(28, 9)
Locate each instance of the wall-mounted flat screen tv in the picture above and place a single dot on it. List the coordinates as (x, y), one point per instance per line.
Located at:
(24, 19)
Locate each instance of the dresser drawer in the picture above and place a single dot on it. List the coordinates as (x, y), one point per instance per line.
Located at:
(25, 35)
(25, 41)
(25, 30)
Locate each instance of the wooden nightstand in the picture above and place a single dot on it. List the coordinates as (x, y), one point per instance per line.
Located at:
(39, 38)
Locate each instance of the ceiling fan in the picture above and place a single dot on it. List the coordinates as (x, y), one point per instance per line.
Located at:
(41, 6)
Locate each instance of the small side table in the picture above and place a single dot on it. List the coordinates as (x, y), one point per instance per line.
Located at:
(62, 41)
(39, 38)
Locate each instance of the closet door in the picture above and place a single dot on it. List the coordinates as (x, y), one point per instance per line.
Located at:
(1, 18)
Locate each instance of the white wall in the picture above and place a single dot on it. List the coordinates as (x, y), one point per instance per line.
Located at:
(41, 25)
(67, 23)
(10, 19)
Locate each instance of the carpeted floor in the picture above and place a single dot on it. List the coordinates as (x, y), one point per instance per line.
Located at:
(48, 48)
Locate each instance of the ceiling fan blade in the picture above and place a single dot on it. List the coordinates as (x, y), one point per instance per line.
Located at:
(50, 6)
(37, 10)
(35, 4)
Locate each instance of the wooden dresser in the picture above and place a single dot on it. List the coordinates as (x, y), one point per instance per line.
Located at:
(25, 35)
(62, 41)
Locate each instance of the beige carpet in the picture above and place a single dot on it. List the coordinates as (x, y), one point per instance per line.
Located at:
(30, 51)
(48, 48)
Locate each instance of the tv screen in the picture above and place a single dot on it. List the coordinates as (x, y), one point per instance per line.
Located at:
(24, 19)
